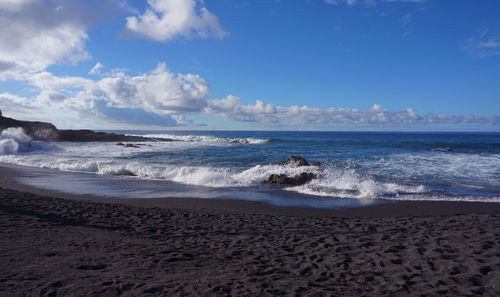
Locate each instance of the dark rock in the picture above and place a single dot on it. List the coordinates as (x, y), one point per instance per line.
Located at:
(133, 145)
(89, 135)
(48, 132)
(284, 180)
(296, 161)
(316, 164)
(35, 130)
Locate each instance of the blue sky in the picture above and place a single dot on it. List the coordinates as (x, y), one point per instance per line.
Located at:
(302, 64)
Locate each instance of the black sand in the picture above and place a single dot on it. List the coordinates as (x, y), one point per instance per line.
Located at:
(61, 245)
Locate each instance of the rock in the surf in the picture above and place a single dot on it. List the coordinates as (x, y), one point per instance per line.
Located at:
(295, 161)
(285, 180)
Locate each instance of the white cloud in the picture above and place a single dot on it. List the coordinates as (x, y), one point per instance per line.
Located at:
(36, 34)
(162, 98)
(485, 44)
(230, 108)
(96, 69)
(159, 92)
(164, 20)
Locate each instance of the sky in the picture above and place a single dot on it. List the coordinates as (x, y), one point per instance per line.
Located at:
(374, 65)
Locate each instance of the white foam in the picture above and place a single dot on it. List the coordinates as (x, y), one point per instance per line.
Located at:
(208, 138)
(13, 140)
(259, 173)
(444, 166)
(8, 146)
(347, 183)
(341, 180)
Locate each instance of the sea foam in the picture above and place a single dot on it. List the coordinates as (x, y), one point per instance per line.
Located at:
(208, 138)
(345, 182)
(215, 162)
(13, 140)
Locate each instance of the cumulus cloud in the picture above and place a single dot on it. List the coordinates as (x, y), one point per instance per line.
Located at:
(231, 108)
(164, 20)
(161, 94)
(485, 44)
(162, 98)
(36, 34)
(160, 91)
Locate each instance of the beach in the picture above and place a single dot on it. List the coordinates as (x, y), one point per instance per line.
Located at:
(249, 148)
(55, 244)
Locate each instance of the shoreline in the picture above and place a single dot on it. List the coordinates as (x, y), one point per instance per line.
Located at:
(9, 173)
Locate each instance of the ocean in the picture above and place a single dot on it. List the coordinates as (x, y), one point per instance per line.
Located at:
(356, 167)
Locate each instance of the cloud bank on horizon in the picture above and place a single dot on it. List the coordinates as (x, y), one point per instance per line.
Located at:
(40, 34)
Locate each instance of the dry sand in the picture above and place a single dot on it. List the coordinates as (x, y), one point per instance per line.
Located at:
(60, 245)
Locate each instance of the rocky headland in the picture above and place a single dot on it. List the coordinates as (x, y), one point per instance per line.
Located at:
(48, 132)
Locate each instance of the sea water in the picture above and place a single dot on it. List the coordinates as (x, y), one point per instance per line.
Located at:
(364, 166)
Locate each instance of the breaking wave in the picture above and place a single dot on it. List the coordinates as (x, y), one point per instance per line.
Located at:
(204, 160)
(208, 138)
(331, 182)
(347, 183)
(15, 140)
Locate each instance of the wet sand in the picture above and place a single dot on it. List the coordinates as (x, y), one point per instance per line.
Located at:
(54, 244)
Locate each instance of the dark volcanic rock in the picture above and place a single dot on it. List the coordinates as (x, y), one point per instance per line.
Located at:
(296, 161)
(36, 130)
(49, 132)
(284, 180)
(133, 145)
(89, 135)
(297, 180)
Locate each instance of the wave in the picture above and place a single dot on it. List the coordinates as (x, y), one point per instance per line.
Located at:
(15, 140)
(331, 181)
(442, 149)
(438, 166)
(347, 183)
(405, 176)
(208, 138)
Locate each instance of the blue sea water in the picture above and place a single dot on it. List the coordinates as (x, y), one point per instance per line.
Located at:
(363, 166)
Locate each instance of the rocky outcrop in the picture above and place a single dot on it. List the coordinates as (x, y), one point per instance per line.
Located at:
(132, 145)
(284, 180)
(295, 161)
(89, 135)
(48, 132)
(296, 180)
(36, 130)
